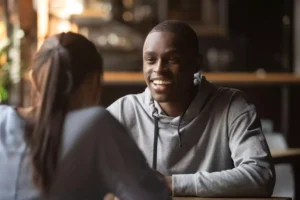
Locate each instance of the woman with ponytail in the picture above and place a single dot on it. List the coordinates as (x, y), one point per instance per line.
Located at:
(65, 146)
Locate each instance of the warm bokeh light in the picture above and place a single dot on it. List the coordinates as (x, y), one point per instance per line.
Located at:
(42, 22)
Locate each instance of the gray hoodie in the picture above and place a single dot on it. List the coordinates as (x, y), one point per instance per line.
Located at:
(216, 148)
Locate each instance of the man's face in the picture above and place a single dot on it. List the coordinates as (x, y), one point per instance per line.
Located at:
(168, 66)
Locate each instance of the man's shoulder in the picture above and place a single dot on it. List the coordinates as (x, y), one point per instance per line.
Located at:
(224, 94)
(238, 102)
(126, 107)
(233, 95)
(230, 92)
(128, 101)
(132, 98)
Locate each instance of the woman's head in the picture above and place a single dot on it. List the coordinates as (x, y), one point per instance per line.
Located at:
(66, 75)
(71, 63)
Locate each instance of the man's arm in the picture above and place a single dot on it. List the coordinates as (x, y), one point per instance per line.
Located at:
(253, 174)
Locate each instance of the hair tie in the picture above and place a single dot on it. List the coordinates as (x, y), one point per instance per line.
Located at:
(64, 58)
(69, 83)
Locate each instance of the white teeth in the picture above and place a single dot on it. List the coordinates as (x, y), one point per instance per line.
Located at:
(161, 82)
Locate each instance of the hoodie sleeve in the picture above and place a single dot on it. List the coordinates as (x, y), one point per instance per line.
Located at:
(253, 174)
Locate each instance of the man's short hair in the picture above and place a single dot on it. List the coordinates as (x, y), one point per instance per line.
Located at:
(184, 31)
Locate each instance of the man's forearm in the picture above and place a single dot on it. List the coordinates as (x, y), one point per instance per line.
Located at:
(241, 181)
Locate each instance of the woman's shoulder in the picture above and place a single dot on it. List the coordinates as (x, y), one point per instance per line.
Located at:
(90, 121)
(92, 113)
(4, 108)
(88, 117)
(11, 130)
(6, 112)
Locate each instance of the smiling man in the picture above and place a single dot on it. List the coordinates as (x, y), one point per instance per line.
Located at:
(206, 140)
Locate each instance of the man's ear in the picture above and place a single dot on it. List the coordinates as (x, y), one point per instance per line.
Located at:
(200, 59)
(199, 63)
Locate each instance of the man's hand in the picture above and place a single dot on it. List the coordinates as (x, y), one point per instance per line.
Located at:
(110, 196)
(168, 180)
(169, 183)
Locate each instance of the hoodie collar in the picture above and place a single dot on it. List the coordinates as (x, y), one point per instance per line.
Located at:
(205, 90)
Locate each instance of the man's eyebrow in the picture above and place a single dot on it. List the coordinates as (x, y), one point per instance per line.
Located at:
(172, 51)
(168, 51)
(149, 53)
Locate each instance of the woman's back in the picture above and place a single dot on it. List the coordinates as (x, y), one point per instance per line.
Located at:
(62, 146)
(97, 156)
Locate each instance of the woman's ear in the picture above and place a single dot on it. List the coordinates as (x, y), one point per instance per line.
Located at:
(33, 82)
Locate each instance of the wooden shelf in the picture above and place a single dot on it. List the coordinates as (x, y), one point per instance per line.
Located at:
(218, 78)
(286, 156)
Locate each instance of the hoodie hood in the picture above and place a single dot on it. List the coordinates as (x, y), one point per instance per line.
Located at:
(205, 89)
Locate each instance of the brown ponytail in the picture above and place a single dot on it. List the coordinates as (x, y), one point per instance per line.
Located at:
(60, 66)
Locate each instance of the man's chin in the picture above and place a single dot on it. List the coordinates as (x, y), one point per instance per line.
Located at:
(160, 98)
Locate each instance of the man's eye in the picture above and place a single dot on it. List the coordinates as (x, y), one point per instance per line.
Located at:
(174, 60)
(150, 59)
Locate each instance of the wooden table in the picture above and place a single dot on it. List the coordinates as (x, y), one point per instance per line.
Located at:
(195, 198)
(290, 155)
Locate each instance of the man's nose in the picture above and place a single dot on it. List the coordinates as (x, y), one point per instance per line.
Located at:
(159, 67)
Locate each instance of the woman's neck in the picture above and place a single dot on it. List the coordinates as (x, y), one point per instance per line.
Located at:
(28, 113)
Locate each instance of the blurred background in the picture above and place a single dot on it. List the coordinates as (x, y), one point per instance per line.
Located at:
(252, 45)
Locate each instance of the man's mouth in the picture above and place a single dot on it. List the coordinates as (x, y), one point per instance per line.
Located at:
(160, 85)
(162, 82)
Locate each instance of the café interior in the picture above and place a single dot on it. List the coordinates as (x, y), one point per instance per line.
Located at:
(251, 45)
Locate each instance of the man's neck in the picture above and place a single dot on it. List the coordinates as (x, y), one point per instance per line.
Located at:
(172, 109)
(176, 108)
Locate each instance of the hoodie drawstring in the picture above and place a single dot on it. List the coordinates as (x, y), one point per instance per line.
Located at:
(156, 134)
(197, 81)
(178, 128)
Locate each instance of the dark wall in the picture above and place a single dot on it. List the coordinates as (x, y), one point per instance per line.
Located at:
(269, 39)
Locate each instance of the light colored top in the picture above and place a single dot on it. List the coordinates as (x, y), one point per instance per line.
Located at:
(270, 198)
(97, 157)
(224, 152)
